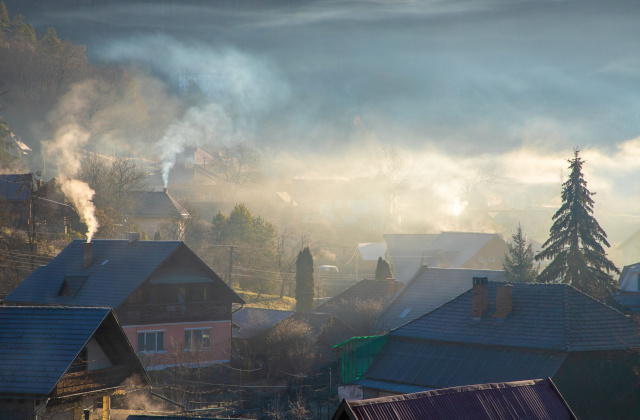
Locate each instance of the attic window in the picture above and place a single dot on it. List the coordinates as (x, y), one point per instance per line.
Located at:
(71, 285)
(405, 313)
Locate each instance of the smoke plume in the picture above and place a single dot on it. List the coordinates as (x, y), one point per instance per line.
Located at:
(64, 148)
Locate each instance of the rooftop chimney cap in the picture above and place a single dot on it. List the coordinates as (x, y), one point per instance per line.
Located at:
(165, 190)
(133, 237)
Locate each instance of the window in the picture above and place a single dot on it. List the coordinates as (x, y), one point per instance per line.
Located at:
(151, 341)
(195, 339)
(491, 259)
(480, 259)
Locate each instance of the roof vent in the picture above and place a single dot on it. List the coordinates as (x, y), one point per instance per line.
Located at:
(133, 237)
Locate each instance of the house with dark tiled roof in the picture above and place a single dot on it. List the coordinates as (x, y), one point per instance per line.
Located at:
(359, 305)
(537, 399)
(408, 252)
(501, 333)
(155, 210)
(628, 296)
(172, 306)
(428, 289)
(60, 359)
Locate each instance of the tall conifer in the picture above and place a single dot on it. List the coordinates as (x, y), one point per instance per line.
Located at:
(518, 263)
(383, 270)
(304, 281)
(575, 244)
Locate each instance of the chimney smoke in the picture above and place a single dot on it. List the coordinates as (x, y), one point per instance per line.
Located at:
(88, 255)
(480, 293)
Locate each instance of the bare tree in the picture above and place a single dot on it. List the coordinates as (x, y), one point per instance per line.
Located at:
(240, 167)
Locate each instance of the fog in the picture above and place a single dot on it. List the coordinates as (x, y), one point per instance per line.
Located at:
(488, 96)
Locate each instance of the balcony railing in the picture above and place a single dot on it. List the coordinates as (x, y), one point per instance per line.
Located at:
(92, 380)
(141, 313)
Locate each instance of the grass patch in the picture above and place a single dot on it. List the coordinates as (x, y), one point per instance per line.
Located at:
(267, 301)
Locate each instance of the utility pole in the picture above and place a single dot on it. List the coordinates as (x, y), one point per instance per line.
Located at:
(230, 263)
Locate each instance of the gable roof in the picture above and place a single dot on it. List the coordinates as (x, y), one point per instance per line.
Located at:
(428, 289)
(251, 321)
(157, 204)
(544, 316)
(362, 290)
(626, 275)
(533, 399)
(39, 344)
(119, 267)
(404, 251)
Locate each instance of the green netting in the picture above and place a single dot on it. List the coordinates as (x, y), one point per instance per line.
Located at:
(357, 354)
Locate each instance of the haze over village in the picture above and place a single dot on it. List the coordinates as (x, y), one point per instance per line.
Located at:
(297, 210)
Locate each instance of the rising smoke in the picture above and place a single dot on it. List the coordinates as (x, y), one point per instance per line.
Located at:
(65, 148)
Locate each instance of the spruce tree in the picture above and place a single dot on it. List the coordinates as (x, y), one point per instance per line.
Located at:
(304, 281)
(518, 263)
(575, 244)
(383, 270)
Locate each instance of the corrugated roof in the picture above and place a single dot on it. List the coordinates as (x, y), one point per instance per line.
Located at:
(157, 204)
(631, 300)
(38, 344)
(533, 399)
(128, 266)
(435, 365)
(544, 316)
(251, 321)
(428, 289)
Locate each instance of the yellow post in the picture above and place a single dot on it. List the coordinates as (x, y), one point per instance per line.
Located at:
(77, 410)
(106, 408)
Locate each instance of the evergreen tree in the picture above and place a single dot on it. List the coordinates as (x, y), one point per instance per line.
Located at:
(575, 244)
(304, 281)
(383, 269)
(518, 263)
(4, 18)
(156, 236)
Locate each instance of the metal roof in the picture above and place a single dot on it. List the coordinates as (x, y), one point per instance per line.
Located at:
(38, 344)
(533, 399)
(434, 365)
(544, 316)
(15, 187)
(428, 289)
(129, 265)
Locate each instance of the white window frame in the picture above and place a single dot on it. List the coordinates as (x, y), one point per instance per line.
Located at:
(162, 350)
(189, 344)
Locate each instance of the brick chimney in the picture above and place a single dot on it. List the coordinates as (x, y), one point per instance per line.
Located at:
(88, 255)
(504, 301)
(165, 190)
(480, 297)
(391, 286)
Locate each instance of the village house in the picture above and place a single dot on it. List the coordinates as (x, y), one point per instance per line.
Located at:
(359, 305)
(408, 252)
(428, 289)
(537, 399)
(157, 211)
(63, 359)
(174, 309)
(497, 332)
(15, 198)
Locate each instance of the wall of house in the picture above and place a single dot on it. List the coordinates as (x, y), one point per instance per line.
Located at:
(490, 256)
(174, 351)
(601, 385)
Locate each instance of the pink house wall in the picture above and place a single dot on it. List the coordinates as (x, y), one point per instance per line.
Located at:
(174, 351)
